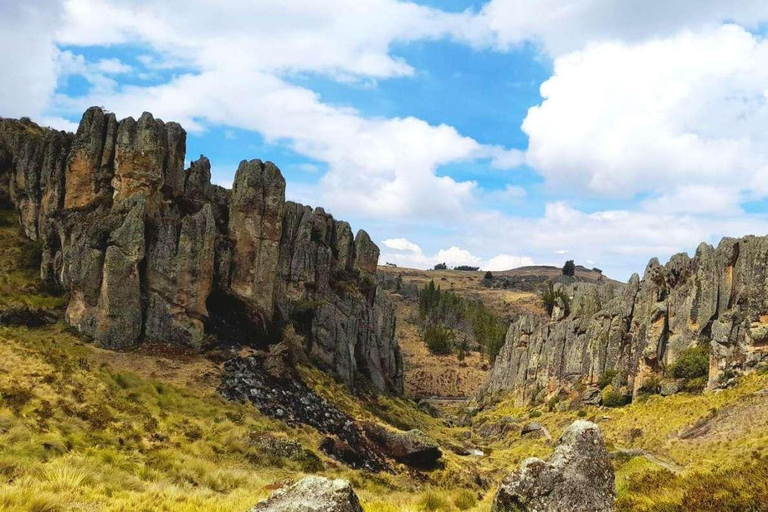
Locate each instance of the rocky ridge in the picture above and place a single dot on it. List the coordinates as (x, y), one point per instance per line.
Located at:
(149, 250)
(718, 298)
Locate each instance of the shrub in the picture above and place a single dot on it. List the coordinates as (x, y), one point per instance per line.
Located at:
(434, 501)
(535, 413)
(488, 275)
(467, 268)
(441, 266)
(569, 269)
(692, 363)
(582, 413)
(606, 378)
(439, 340)
(465, 500)
(696, 385)
(549, 297)
(613, 398)
(651, 385)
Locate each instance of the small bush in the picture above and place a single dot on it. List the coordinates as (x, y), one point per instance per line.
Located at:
(535, 413)
(434, 501)
(696, 385)
(465, 500)
(439, 340)
(651, 385)
(582, 413)
(488, 275)
(549, 297)
(606, 378)
(569, 269)
(441, 266)
(692, 363)
(613, 398)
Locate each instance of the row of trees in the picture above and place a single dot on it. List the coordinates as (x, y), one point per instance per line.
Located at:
(443, 312)
(444, 266)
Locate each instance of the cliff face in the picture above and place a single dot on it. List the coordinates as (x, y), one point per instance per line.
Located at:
(718, 298)
(149, 250)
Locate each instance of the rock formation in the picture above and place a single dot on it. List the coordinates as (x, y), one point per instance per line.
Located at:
(577, 477)
(312, 494)
(150, 251)
(718, 298)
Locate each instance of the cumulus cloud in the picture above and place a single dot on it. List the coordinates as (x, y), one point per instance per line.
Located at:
(29, 59)
(562, 26)
(619, 120)
(507, 262)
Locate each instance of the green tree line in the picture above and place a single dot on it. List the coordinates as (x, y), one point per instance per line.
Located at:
(450, 313)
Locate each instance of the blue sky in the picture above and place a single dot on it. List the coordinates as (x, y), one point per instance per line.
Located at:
(497, 133)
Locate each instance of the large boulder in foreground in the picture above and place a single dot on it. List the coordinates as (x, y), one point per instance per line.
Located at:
(578, 477)
(312, 494)
(413, 447)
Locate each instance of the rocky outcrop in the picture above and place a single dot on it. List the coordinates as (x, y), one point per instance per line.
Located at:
(312, 494)
(577, 477)
(150, 251)
(718, 298)
(413, 447)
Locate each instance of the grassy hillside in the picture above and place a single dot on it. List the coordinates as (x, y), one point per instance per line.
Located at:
(88, 429)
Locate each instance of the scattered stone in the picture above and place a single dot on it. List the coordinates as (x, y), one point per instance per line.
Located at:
(534, 430)
(425, 406)
(286, 397)
(312, 494)
(592, 396)
(578, 477)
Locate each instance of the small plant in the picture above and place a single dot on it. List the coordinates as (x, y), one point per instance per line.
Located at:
(433, 501)
(582, 413)
(465, 500)
(606, 378)
(439, 340)
(488, 276)
(550, 298)
(692, 363)
(651, 385)
(569, 269)
(613, 398)
(535, 413)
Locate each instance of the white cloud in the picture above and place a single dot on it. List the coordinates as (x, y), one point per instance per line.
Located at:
(507, 262)
(619, 120)
(562, 26)
(29, 56)
(402, 244)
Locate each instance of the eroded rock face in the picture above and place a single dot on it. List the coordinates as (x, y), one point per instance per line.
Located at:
(577, 477)
(148, 250)
(312, 494)
(720, 296)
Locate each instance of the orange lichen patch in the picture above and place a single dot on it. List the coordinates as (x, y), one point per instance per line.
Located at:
(79, 183)
(763, 319)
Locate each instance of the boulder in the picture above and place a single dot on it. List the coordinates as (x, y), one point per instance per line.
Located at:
(413, 447)
(312, 494)
(669, 387)
(578, 477)
(534, 430)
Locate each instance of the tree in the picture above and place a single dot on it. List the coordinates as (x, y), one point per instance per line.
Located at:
(488, 275)
(569, 269)
(441, 266)
(467, 268)
(439, 340)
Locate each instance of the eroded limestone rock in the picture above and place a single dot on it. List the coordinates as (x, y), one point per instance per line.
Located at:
(312, 494)
(578, 477)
